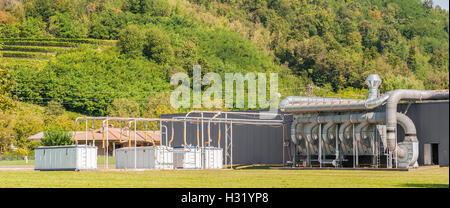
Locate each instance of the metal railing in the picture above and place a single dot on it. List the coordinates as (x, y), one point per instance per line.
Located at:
(208, 117)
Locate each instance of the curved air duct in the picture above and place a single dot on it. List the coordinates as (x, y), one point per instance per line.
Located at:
(363, 119)
(391, 110)
(298, 105)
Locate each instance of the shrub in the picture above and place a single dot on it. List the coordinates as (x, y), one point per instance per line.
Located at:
(57, 138)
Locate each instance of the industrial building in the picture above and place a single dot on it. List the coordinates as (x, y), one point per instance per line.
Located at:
(399, 129)
(254, 144)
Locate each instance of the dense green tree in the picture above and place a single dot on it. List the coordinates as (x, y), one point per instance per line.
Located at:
(131, 41)
(107, 24)
(157, 46)
(47, 8)
(152, 7)
(6, 84)
(33, 28)
(122, 107)
(9, 31)
(61, 25)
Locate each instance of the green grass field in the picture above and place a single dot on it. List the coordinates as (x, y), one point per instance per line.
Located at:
(101, 160)
(248, 178)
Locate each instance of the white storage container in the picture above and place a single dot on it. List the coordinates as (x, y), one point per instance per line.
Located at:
(191, 158)
(187, 158)
(149, 157)
(213, 158)
(71, 157)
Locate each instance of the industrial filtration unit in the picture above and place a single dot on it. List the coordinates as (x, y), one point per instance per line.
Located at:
(339, 132)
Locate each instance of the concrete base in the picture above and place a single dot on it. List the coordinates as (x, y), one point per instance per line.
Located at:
(369, 169)
(330, 168)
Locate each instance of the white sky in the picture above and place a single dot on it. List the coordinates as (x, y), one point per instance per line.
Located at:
(442, 3)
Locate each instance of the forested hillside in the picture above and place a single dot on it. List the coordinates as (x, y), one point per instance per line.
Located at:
(116, 57)
(340, 42)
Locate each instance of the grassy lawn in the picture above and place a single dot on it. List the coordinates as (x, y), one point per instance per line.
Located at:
(15, 162)
(258, 178)
(101, 160)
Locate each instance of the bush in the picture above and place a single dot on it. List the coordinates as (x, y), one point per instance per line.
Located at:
(57, 138)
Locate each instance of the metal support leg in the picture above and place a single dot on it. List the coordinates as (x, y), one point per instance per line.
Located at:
(354, 145)
(320, 145)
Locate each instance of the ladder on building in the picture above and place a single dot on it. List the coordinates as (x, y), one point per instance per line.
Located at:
(83, 157)
(378, 156)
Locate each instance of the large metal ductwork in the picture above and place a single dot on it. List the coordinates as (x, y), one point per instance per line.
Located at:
(342, 114)
(408, 150)
(392, 118)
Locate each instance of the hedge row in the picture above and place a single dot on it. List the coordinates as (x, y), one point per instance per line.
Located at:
(31, 48)
(69, 40)
(39, 43)
(25, 55)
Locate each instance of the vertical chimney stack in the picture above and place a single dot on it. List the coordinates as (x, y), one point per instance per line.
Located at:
(373, 81)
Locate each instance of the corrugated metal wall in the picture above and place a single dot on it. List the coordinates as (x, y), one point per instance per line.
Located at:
(251, 144)
(264, 144)
(431, 120)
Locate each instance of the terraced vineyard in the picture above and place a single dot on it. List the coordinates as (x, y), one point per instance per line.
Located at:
(35, 52)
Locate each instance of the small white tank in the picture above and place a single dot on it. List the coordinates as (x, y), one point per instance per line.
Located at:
(148, 157)
(70, 157)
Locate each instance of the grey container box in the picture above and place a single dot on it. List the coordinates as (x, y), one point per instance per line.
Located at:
(149, 157)
(70, 157)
